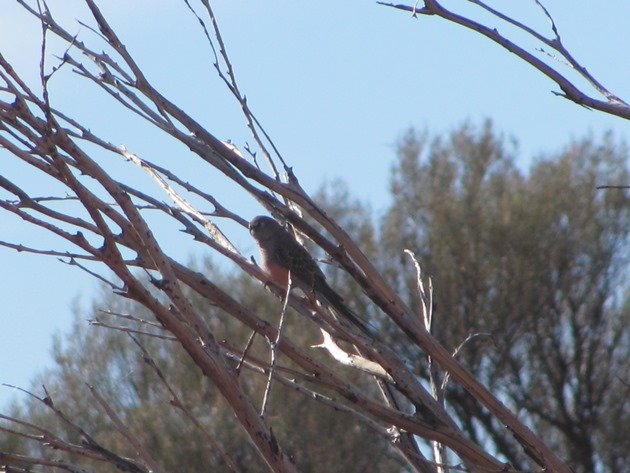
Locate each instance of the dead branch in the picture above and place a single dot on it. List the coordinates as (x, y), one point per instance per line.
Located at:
(110, 226)
(612, 103)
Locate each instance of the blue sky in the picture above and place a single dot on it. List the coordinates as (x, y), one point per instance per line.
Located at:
(335, 83)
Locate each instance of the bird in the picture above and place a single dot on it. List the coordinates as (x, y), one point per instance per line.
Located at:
(281, 253)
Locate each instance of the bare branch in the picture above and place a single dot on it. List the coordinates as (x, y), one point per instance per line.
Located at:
(612, 105)
(274, 347)
(350, 359)
(176, 402)
(148, 460)
(56, 146)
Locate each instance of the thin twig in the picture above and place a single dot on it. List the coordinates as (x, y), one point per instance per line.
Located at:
(248, 345)
(120, 426)
(129, 330)
(132, 318)
(177, 403)
(182, 203)
(426, 302)
(274, 347)
(470, 337)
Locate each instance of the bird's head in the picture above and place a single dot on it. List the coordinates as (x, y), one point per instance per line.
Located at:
(263, 228)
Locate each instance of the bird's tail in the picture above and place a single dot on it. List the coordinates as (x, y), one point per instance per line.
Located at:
(338, 304)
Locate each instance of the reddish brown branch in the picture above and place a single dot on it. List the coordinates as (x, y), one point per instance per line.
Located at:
(613, 105)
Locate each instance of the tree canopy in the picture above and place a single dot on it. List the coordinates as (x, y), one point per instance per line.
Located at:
(535, 264)
(528, 266)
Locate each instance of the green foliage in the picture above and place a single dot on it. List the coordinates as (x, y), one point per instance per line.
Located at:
(536, 261)
(319, 438)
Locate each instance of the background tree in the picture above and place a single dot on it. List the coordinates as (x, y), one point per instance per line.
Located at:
(533, 263)
(128, 379)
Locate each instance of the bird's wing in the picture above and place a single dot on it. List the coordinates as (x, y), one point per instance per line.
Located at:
(299, 262)
(309, 276)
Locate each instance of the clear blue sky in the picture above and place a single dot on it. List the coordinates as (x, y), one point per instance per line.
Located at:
(335, 83)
